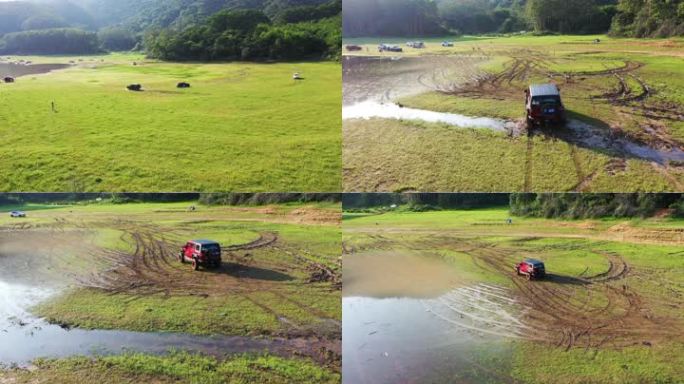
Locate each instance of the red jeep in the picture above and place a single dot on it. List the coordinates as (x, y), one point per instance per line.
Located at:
(531, 269)
(206, 253)
(543, 105)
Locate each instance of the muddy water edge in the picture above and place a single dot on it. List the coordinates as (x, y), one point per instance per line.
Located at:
(408, 318)
(35, 269)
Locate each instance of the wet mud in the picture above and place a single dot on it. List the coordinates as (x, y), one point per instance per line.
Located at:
(40, 261)
(21, 69)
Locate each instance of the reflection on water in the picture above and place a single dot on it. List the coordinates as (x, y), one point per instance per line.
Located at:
(401, 340)
(409, 317)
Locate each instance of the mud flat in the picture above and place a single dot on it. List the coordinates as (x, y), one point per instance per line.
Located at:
(607, 311)
(104, 282)
(19, 70)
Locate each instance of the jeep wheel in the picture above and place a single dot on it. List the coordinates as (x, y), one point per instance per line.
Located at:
(528, 276)
(181, 258)
(195, 264)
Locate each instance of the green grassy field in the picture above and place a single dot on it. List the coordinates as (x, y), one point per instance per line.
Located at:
(385, 155)
(571, 249)
(241, 127)
(175, 368)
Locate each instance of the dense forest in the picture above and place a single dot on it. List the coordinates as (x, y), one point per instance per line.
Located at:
(576, 206)
(551, 205)
(175, 29)
(637, 18)
(422, 201)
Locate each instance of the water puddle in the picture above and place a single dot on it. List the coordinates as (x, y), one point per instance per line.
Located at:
(25, 337)
(593, 137)
(408, 318)
(35, 267)
(580, 133)
(21, 69)
(373, 109)
(397, 274)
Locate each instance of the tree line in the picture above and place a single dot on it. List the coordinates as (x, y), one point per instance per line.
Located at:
(17, 199)
(177, 29)
(251, 35)
(423, 201)
(547, 205)
(649, 18)
(581, 206)
(636, 18)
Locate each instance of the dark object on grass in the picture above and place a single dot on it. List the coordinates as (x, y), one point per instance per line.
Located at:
(8, 79)
(183, 85)
(134, 87)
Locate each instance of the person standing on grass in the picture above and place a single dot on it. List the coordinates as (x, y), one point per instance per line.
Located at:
(54, 110)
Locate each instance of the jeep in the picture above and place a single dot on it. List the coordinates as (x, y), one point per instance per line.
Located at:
(204, 253)
(543, 105)
(531, 269)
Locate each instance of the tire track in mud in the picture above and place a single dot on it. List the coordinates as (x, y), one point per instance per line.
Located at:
(582, 180)
(564, 310)
(528, 162)
(150, 267)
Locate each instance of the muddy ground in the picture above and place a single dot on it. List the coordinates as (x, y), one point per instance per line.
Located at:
(623, 304)
(622, 113)
(64, 254)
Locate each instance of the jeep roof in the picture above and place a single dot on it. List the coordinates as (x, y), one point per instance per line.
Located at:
(204, 242)
(544, 90)
(534, 262)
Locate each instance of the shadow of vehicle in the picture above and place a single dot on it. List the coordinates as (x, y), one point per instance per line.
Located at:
(250, 272)
(565, 280)
(596, 135)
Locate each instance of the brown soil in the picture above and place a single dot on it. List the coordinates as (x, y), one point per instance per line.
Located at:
(561, 311)
(62, 252)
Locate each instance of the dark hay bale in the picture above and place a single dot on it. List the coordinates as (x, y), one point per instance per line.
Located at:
(8, 79)
(134, 87)
(183, 85)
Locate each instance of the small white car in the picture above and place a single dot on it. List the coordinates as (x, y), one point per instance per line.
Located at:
(296, 76)
(447, 44)
(17, 214)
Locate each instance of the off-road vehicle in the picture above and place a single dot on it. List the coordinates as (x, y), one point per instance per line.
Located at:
(206, 253)
(543, 105)
(532, 269)
(389, 48)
